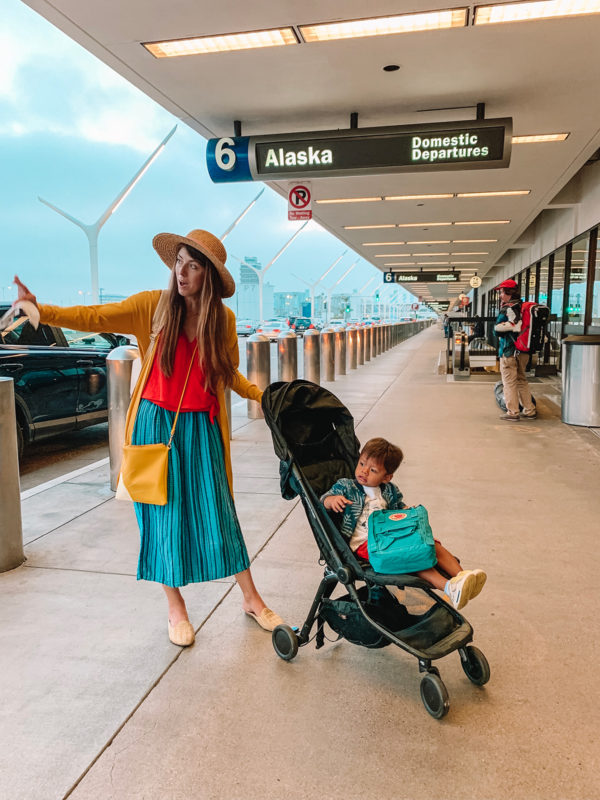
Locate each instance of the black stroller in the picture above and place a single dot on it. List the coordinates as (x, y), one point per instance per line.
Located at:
(313, 436)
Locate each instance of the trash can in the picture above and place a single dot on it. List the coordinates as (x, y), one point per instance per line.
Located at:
(581, 381)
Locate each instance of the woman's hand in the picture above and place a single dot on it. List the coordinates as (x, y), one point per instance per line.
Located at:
(23, 292)
(336, 502)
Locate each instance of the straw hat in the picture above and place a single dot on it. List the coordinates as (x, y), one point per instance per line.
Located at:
(167, 245)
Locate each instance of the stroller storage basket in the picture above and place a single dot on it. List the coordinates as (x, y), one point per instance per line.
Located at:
(345, 618)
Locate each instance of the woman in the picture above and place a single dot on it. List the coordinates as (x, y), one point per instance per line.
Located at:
(196, 536)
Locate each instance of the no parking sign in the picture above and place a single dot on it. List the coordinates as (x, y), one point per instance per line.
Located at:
(299, 201)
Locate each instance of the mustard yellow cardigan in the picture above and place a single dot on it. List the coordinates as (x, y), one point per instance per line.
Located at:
(134, 316)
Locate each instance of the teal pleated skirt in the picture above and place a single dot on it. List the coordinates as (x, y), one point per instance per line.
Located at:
(196, 536)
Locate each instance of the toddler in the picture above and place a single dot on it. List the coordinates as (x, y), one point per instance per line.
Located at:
(372, 489)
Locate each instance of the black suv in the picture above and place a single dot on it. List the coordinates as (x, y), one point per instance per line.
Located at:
(299, 324)
(59, 377)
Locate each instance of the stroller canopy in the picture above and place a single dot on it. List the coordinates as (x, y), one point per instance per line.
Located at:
(312, 428)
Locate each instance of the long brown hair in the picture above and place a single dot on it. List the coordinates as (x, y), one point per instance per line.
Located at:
(211, 332)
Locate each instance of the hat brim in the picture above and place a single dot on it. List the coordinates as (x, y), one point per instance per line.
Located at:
(167, 245)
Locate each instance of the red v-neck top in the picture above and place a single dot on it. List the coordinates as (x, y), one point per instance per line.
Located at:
(166, 392)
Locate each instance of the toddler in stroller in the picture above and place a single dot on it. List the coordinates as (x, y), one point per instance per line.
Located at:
(313, 436)
(371, 490)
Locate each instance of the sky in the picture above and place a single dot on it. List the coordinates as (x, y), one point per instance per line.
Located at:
(74, 132)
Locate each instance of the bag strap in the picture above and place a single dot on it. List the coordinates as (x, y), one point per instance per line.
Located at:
(156, 325)
(187, 377)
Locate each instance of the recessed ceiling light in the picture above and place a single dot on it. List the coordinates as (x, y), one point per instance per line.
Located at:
(431, 241)
(485, 222)
(382, 26)
(458, 263)
(423, 224)
(494, 194)
(365, 227)
(478, 253)
(473, 241)
(533, 10)
(381, 244)
(400, 264)
(393, 255)
(433, 263)
(196, 45)
(540, 137)
(417, 255)
(419, 197)
(351, 200)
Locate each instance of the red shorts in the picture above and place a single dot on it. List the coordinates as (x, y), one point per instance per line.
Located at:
(363, 550)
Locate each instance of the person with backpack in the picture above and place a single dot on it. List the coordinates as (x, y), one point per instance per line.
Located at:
(513, 336)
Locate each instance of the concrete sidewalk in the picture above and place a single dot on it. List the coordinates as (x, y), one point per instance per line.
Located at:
(96, 702)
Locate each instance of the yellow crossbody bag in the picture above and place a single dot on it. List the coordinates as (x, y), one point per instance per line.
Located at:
(145, 467)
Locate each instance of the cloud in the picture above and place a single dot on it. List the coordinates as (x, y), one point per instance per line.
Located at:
(50, 84)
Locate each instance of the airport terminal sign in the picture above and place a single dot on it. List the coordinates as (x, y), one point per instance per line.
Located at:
(481, 144)
(420, 277)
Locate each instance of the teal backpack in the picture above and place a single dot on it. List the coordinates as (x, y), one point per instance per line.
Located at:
(401, 541)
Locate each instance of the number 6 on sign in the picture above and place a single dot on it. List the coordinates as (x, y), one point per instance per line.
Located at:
(227, 159)
(224, 155)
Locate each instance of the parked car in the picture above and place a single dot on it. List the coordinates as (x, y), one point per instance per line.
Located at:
(300, 324)
(272, 328)
(245, 327)
(59, 377)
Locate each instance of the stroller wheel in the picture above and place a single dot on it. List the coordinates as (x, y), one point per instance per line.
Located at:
(475, 665)
(434, 695)
(285, 642)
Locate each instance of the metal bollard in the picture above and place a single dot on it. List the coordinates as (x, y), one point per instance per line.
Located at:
(312, 355)
(258, 368)
(368, 340)
(352, 362)
(360, 345)
(328, 354)
(11, 529)
(377, 334)
(287, 356)
(119, 365)
(340, 350)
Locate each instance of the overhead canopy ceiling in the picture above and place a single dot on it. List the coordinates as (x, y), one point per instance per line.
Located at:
(544, 74)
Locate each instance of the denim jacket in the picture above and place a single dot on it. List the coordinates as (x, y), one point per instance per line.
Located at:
(352, 490)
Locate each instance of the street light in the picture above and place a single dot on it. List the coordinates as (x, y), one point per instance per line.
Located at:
(241, 216)
(362, 299)
(93, 231)
(261, 272)
(312, 286)
(339, 280)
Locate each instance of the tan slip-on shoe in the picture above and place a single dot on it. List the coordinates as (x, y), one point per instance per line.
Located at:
(182, 634)
(267, 619)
